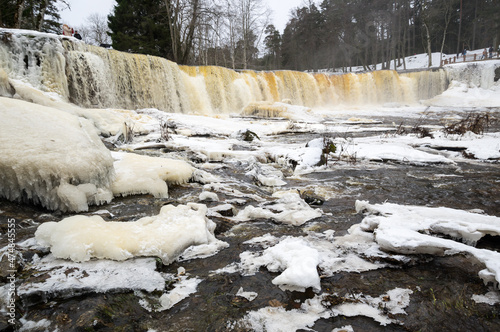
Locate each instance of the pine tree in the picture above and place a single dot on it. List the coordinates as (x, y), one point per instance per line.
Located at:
(32, 15)
(140, 26)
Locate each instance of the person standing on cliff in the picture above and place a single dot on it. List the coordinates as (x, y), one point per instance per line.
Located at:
(491, 52)
(77, 35)
(67, 31)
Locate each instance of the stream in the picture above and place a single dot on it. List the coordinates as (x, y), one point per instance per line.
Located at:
(442, 287)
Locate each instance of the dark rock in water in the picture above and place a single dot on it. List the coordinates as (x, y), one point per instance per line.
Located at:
(497, 74)
(248, 136)
(311, 198)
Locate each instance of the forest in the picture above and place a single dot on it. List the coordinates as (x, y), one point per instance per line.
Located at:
(239, 34)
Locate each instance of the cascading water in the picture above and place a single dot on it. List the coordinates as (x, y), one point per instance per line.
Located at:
(91, 76)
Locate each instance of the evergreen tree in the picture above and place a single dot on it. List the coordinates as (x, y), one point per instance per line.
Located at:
(273, 47)
(31, 15)
(140, 26)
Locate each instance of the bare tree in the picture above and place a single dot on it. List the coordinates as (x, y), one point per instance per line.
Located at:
(95, 30)
(254, 16)
(447, 10)
(183, 16)
(426, 21)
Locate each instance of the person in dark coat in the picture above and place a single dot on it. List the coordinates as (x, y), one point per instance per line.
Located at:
(77, 35)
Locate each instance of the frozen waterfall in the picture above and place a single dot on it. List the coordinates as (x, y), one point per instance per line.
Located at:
(95, 77)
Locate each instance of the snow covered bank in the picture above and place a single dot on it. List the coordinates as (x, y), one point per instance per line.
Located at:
(51, 158)
(166, 235)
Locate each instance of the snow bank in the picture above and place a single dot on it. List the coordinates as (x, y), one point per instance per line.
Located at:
(51, 158)
(290, 209)
(138, 174)
(409, 229)
(166, 235)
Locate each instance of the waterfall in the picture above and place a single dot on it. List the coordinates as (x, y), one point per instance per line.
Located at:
(94, 77)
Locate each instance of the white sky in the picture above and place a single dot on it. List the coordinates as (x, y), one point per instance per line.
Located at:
(81, 9)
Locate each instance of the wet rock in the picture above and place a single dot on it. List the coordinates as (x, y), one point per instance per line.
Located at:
(247, 135)
(311, 198)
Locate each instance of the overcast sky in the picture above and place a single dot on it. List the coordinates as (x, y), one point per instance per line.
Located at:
(81, 9)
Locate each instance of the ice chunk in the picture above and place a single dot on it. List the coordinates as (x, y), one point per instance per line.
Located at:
(166, 235)
(407, 230)
(51, 158)
(250, 296)
(297, 260)
(185, 287)
(288, 209)
(138, 174)
(294, 257)
(490, 298)
(266, 175)
(277, 319)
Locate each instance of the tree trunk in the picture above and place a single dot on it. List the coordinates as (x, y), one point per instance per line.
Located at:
(428, 37)
(459, 29)
(188, 42)
(41, 15)
(19, 14)
(474, 27)
(172, 14)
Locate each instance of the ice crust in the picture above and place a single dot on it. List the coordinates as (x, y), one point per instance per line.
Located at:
(100, 276)
(51, 158)
(166, 235)
(278, 319)
(289, 208)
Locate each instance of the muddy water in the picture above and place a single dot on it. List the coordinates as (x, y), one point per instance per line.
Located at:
(442, 286)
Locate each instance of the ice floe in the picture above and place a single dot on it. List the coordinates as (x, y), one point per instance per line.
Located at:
(166, 235)
(138, 174)
(289, 208)
(431, 230)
